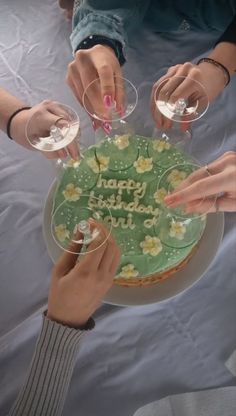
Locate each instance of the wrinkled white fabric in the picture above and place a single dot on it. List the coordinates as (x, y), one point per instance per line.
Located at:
(135, 355)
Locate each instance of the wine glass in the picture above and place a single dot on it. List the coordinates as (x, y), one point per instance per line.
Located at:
(112, 120)
(75, 224)
(56, 133)
(180, 110)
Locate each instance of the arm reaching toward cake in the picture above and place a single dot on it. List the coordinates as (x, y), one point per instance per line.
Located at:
(222, 182)
(46, 110)
(75, 293)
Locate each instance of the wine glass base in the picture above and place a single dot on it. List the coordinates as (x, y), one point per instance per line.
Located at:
(175, 136)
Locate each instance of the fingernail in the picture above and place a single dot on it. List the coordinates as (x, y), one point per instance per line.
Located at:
(107, 127)
(107, 101)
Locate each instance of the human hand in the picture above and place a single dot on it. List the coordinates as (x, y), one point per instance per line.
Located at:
(77, 289)
(48, 112)
(210, 81)
(99, 62)
(197, 186)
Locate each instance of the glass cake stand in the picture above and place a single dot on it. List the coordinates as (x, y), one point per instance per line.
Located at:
(173, 105)
(56, 135)
(112, 120)
(76, 223)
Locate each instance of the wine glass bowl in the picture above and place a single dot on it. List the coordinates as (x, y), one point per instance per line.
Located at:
(54, 130)
(75, 225)
(181, 99)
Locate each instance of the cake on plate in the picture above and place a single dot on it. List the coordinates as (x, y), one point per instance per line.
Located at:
(129, 177)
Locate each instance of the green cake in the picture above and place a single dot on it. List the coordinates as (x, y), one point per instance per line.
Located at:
(128, 178)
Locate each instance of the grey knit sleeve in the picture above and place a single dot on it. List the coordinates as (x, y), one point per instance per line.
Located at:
(46, 385)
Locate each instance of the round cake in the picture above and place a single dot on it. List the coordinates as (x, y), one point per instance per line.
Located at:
(128, 178)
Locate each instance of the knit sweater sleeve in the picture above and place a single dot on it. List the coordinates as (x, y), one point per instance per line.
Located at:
(45, 388)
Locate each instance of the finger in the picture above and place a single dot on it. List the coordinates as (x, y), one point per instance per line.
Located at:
(119, 93)
(108, 256)
(73, 150)
(201, 206)
(222, 204)
(200, 189)
(95, 249)
(68, 259)
(56, 109)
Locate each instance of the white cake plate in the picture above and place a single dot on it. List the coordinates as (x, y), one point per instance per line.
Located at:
(177, 283)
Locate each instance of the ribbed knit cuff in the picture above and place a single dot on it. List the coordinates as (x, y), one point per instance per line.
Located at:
(46, 386)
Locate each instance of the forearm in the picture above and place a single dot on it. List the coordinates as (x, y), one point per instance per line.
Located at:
(8, 105)
(46, 386)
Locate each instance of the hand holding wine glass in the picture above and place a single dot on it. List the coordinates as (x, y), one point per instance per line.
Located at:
(199, 185)
(193, 83)
(77, 288)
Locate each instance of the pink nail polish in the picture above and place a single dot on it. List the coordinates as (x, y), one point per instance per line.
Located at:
(107, 101)
(107, 127)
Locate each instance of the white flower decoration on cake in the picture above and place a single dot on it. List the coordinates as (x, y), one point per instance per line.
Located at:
(72, 192)
(143, 164)
(151, 245)
(160, 195)
(61, 232)
(161, 145)
(177, 230)
(176, 177)
(128, 271)
(122, 141)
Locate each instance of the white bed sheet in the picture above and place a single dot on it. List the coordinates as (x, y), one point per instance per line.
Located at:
(135, 355)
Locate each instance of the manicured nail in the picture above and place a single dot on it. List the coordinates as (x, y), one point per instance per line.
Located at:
(107, 101)
(107, 127)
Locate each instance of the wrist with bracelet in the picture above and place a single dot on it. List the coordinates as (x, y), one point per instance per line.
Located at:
(217, 64)
(8, 127)
(93, 40)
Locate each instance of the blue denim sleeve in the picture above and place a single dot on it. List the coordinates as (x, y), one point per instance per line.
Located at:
(112, 19)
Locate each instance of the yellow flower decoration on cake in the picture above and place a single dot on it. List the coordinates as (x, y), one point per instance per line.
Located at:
(161, 145)
(93, 164)
(176, 177)
(72, 192)
(61, 232)
(103, 163)
(143, 164)
(177, 230)
(128, 271)
(151, 245)
(122, 141)
(160, 195)
(73, 163)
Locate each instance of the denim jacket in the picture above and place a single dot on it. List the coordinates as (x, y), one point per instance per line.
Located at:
(116, 19)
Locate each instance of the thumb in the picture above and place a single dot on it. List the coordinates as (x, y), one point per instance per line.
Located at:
(68, 259)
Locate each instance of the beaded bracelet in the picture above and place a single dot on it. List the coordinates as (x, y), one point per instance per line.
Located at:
(218, 65)
(8, 128)
(93, 40)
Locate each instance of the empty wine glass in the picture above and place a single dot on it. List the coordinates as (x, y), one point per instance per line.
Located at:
(113, 119)
(180, 110)
(75, 224)
(55, 133)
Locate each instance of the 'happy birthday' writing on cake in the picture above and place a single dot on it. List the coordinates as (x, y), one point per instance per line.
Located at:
(115, 202)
